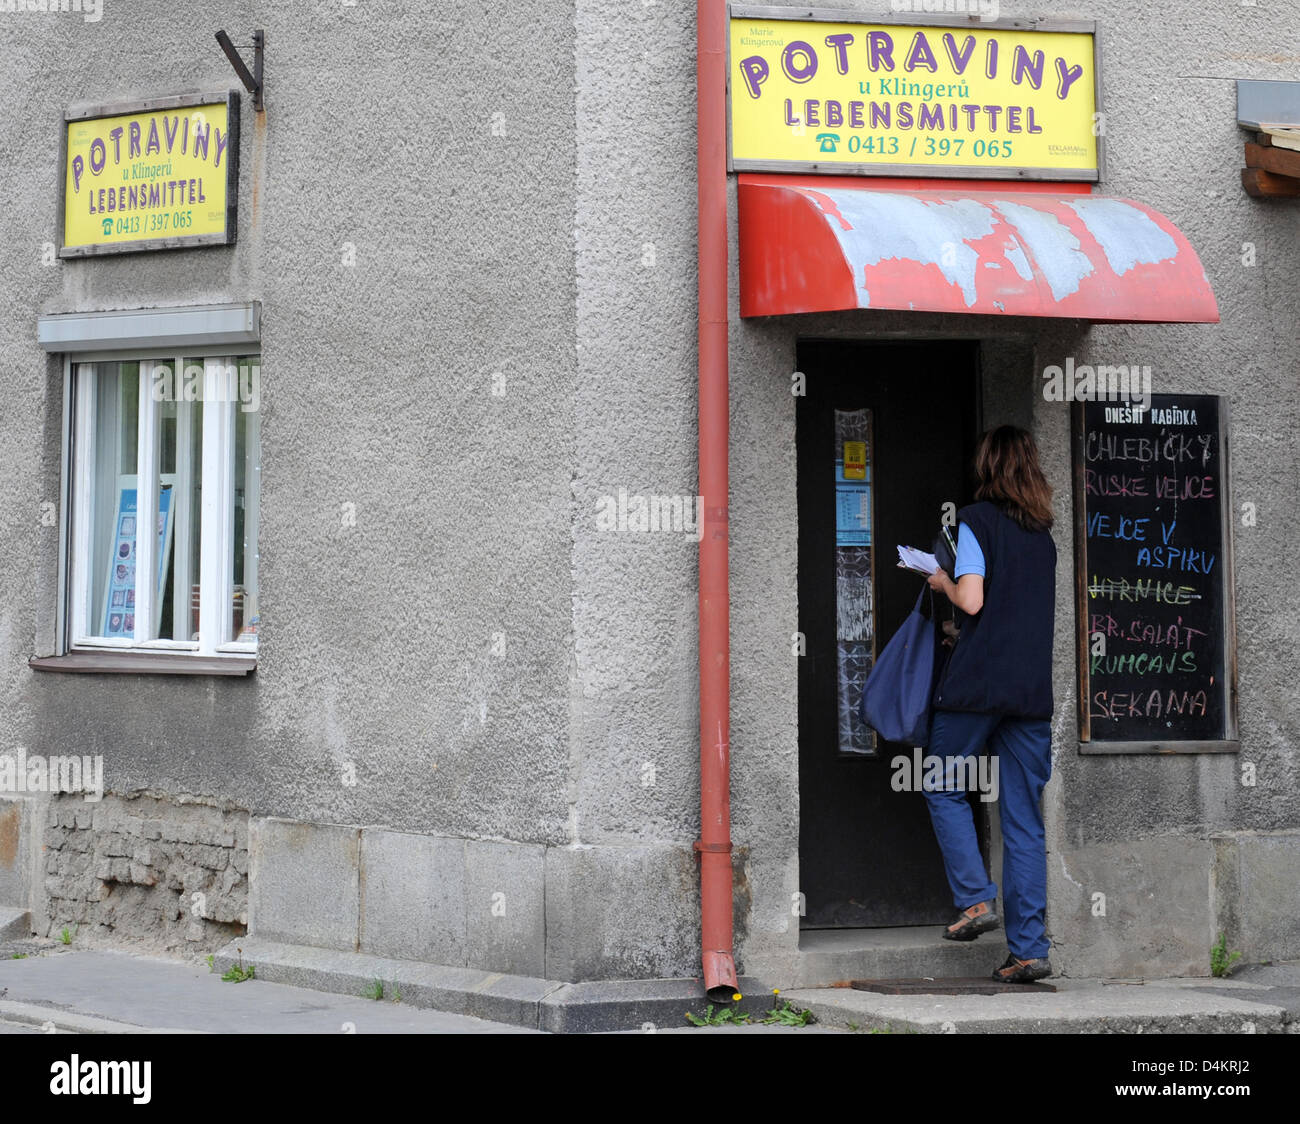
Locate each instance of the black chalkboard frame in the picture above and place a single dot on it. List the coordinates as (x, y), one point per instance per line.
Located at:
(1230, 743)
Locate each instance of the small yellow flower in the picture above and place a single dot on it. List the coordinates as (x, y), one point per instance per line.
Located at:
(737, 996)
(776, 991)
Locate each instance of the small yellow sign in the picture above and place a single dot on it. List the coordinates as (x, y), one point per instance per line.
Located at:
(134, 180)
(855, 460)
(822, 96)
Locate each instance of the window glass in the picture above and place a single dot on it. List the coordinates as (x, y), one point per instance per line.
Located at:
(246, 496)
(113, 451)
(178, 394)
(180, 419)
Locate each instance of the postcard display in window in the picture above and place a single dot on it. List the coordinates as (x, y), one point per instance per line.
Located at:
(119, 613)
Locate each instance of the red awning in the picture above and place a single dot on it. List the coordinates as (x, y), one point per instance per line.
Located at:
(819, 243)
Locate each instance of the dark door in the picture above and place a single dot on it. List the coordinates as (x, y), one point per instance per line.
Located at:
(885, 436)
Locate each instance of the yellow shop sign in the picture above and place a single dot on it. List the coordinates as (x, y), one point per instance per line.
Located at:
(150, 176)
(953, 99)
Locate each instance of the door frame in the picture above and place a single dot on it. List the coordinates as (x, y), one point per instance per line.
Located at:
(984, 820)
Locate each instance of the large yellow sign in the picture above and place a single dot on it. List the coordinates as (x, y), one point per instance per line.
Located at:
(880, 98)
(150, 180)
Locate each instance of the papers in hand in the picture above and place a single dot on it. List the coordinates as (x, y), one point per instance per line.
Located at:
(909, 558)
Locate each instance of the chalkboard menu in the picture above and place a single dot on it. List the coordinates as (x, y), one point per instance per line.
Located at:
(1153, 576)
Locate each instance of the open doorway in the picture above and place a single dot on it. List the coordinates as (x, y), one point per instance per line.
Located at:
(885, 434)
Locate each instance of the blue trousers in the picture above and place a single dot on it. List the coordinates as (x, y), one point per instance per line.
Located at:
(1024, 754)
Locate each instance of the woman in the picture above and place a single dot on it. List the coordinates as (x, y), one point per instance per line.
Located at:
(996, 691)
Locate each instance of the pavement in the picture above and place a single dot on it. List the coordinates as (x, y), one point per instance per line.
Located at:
(46, 987)
(78, 991)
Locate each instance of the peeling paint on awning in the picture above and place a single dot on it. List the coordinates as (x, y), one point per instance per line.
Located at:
(811, 244)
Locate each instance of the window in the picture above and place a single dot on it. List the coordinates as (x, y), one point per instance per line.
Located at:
(165, 484)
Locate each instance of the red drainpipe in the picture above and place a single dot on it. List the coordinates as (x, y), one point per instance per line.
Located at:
(714, 844)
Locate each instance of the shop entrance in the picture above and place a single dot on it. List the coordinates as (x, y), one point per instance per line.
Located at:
(885, 435)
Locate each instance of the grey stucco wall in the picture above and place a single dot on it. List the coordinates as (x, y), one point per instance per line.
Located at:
(1159, 67)
(563, 256)
(376, 391)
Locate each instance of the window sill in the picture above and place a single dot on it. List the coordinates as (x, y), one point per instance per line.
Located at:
(144, 663)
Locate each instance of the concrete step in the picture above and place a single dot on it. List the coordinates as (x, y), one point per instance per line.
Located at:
(15, 923)
(829, 956)
(538, 1004)
(1076, 1007)
(824, 958)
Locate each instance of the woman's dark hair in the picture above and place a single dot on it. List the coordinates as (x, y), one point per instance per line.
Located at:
(1008, 475)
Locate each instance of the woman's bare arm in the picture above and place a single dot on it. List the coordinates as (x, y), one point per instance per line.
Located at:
(967, 592)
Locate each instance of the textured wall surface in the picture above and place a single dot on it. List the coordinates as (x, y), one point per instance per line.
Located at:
(561, 256)
(380, 132)
(1156, 64)
(145, 870)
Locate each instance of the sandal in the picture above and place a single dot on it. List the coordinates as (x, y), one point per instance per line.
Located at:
(972, 921)
(1015, 970)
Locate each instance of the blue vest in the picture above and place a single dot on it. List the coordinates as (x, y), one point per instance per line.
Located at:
(1002, 664)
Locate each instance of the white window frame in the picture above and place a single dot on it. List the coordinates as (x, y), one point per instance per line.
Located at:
(216, 550)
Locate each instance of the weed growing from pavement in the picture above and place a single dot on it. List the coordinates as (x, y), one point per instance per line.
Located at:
(238, 973)
(1221, 960)
(787, 1014)
(66, 935)
(725, 1016)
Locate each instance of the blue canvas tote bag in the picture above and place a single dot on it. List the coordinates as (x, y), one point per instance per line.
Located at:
(896, 697)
